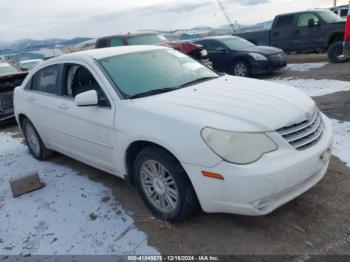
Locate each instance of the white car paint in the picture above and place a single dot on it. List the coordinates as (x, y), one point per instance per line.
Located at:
(100, 137)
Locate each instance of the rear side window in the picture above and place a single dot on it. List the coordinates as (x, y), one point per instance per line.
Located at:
(46, 80)
(116, 42)
(284, 21)
(102, 43)
(210, 45)
(344, 12)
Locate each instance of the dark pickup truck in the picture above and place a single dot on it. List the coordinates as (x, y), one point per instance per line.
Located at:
(10, 78)
(308, 31)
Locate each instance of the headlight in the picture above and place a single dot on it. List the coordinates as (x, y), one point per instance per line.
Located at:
(238, 148)
(258, 57)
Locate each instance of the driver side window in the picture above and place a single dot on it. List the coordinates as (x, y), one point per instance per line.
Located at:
(303, 19)
(212, 46)
(78, 79)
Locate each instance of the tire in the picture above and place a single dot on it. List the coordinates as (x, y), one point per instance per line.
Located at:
(34, 142)
(179, 198)
(335, 51)
(240, 68)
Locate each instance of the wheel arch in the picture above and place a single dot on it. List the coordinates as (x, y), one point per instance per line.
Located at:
(21, 117)
(133, 149)
(335, 37)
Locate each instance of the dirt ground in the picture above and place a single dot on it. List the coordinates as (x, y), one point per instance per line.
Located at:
(318, 222)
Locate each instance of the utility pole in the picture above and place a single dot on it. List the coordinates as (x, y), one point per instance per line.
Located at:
(335, 3)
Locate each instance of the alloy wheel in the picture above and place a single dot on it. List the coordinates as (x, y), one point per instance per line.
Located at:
(159, 186)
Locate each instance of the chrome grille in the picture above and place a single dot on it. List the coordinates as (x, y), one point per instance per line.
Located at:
(304, 134)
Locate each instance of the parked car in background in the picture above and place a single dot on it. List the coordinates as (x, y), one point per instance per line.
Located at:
(341, 10)
(10, 78)
(347, 37)
(179, 131)
(28, 65)
(308, 31)
(152, 38)
(237, 56)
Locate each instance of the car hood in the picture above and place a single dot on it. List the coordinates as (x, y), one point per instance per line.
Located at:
(264, 50)
(232, 103)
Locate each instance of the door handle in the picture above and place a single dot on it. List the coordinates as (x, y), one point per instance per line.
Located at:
(31, 98)
(63, 107)
(276, 33)
(296, 32)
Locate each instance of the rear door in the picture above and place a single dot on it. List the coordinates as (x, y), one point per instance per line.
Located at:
(43, 102)
(309, 35)
(218, 54)
(281, 34)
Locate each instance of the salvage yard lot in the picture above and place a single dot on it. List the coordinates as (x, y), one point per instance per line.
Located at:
(86, 211)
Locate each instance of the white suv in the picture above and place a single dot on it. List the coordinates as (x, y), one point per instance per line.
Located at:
(180, 132)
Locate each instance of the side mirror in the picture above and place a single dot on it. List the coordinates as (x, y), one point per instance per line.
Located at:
(88, 98)
(312, 22)
(24, 68)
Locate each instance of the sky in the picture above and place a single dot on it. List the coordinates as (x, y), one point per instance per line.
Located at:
(42, 19)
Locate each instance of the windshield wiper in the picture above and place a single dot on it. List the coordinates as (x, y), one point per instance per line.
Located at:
(153, 92)
(168, 89)
(198, 80)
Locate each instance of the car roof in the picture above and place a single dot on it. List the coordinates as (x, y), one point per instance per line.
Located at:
(127, 35)
(101, 53)
(305, 11)
(223, 37)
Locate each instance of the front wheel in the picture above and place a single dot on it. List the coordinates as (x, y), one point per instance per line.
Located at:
(335, 53)
(164, 185)
(240, 68)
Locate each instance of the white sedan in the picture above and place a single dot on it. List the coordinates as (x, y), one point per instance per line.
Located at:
(184, 135)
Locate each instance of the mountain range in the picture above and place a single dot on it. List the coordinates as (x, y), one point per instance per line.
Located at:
(28, 44)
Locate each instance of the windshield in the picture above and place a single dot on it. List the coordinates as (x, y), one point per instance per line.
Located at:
(7, 69)
(237, 43)
(142, 72)
(147, 40)
(330, 17)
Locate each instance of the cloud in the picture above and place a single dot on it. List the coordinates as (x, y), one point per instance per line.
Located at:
(253, 2)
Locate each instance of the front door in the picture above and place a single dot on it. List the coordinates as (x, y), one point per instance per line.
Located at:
(309, 33)
(88, 131)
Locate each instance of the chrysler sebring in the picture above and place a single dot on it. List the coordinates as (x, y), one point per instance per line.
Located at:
(185, 136)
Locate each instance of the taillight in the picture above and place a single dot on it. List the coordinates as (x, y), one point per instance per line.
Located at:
(347, 30)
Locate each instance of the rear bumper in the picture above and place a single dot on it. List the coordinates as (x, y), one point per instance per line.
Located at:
(347, 49)
(6, 114)
(207, 63)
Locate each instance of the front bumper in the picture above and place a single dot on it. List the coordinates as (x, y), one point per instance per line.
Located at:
(261, 187)
(261, 67)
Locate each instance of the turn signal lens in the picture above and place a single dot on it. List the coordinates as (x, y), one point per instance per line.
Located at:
(212, 175)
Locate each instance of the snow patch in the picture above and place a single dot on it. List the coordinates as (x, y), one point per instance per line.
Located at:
(305, 67)
(314, 87)
(70, 215)
(342, 140)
